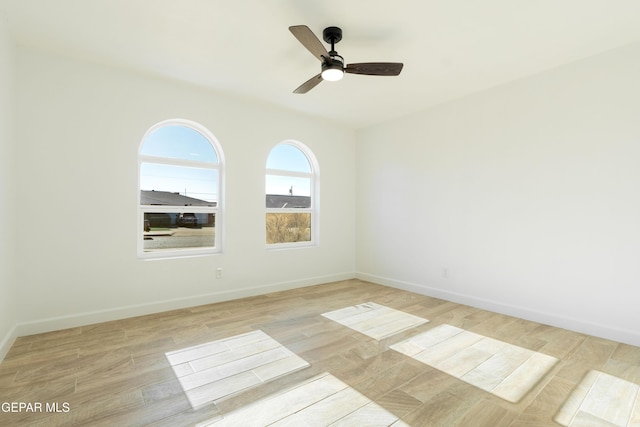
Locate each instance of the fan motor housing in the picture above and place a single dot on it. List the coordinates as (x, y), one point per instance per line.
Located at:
(337, 62)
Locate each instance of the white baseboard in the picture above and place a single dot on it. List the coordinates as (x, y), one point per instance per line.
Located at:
(6, 342)
(578, 325)
(88, 318)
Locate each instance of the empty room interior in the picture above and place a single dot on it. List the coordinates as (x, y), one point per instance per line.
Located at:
(199, 228)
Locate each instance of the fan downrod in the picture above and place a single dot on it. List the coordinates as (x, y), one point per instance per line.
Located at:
(332, 35)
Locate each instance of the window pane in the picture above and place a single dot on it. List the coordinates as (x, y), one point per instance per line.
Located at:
(197, 186)
(288, 157)
(288, 227)
(179, 142)
(288, 185)
(173, 230)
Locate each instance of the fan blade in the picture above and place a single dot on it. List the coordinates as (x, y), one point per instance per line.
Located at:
(310, 41)
(375, 68)
(309, 84)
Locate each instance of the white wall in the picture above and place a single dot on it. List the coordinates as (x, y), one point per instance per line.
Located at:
(523, 199)
(79, 127)
(7, 191)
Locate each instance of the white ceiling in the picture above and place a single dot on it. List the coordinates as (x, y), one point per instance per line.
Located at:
(449, 48)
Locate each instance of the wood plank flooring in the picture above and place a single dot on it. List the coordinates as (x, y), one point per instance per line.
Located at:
(321, 401)
(214, 370)
(375, 320)
(602, 399)
(120, 373)
(504, 370)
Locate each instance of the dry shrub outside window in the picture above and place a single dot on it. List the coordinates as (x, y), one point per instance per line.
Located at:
(288, 227)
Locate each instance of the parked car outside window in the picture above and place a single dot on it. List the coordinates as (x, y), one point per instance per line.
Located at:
(187, 220)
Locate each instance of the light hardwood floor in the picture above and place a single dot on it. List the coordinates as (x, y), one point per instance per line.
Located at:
(119, 373)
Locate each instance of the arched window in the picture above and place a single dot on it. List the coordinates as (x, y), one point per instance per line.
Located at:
(181, 175)
(292, 189)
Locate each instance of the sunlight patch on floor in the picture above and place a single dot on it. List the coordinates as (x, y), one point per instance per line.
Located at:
(375, 320)
(322, 400)
(502, 369)
(217, 369)
(602, 400)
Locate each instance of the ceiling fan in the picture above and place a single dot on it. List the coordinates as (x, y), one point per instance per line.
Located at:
(333, 67)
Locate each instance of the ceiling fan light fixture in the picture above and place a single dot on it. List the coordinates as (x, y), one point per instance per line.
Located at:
(334, 70)
(333, 67)
(332, 74)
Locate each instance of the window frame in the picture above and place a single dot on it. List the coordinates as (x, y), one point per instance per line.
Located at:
(314, 207)
(217, 211)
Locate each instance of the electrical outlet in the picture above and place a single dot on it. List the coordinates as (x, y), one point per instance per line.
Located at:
(218, 272)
